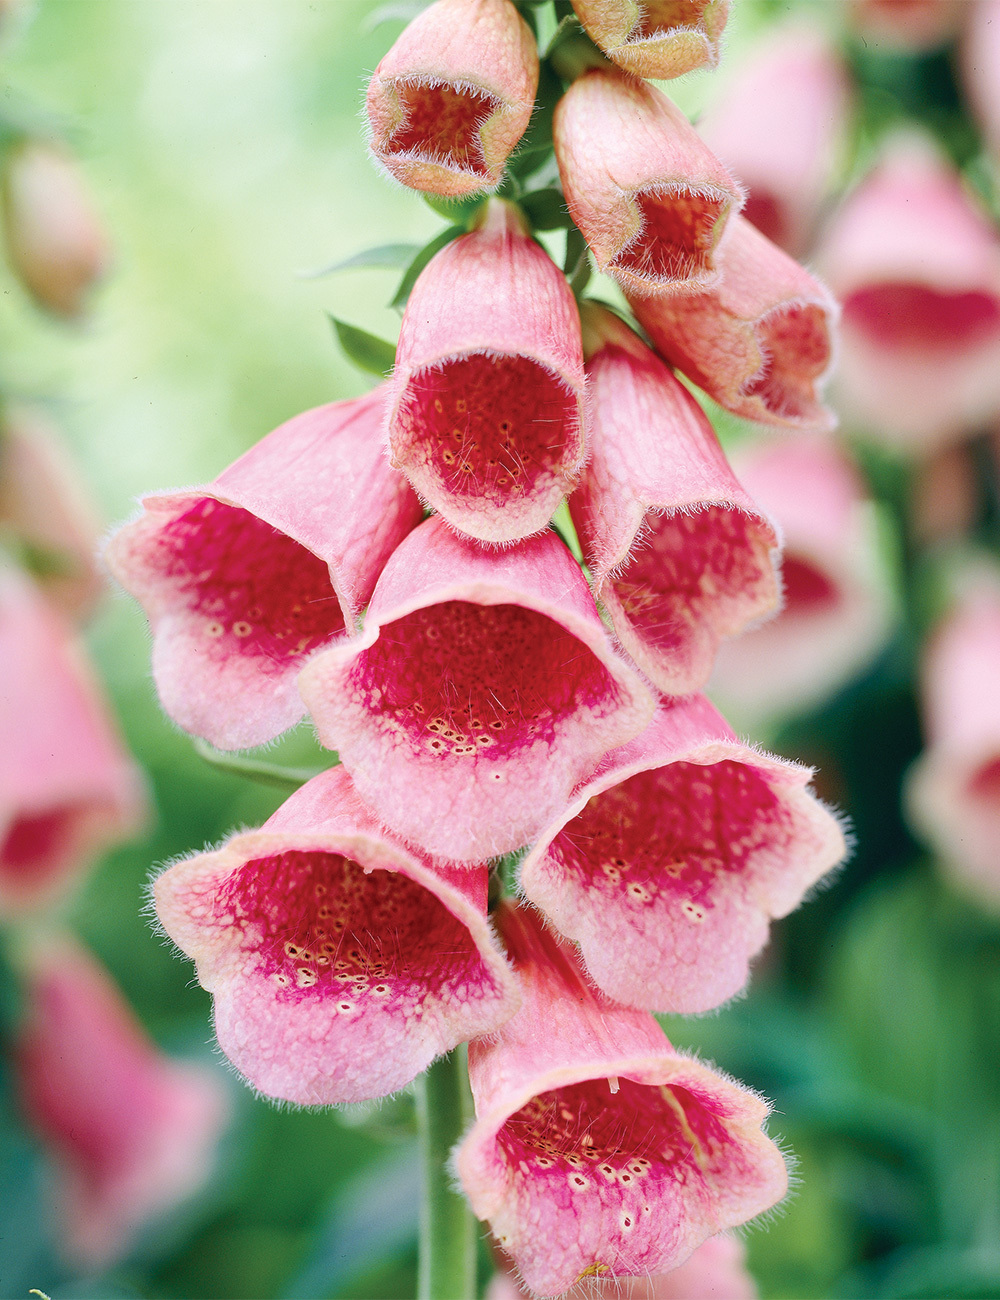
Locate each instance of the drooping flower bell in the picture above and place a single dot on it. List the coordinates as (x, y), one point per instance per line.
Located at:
(453, 96)
(656, 38)
(130, 1131)
(482, 688)
(649, 196)
(673, 857)
(760, 341)
(597, 1148)
(486, 412)
(341, 962)
(679, 555)
(245, 578)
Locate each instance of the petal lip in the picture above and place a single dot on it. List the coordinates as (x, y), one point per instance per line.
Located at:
(647, 47)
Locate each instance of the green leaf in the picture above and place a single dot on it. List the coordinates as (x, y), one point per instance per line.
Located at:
(418, 263)
(366, 350)
(383, 257)
(546, 209)
(458, 211)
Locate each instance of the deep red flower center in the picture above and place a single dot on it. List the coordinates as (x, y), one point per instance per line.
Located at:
(921, 318)
(441, 124)
(808, 590)
(677, 236)
(796, 346)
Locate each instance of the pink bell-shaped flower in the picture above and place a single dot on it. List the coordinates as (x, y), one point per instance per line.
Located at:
(679, 555)
(597, 1148)
(649, 196)
(482, 688)
(68, 788)
(341, 963)
(453, 96)
(760, 341)
(656, 38)
(243, 579)
(130, 1131)
(917, 268)
(487, 396)
(673, 857)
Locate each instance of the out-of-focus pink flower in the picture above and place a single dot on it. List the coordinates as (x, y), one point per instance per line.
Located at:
(954, 789)
(487, 395)
(649, 196)
(944, 497)
(656, 38)
(596, 1147)
(905, 24)
(243, 579)
(68, 789)
(838, 604)
(678, 553)
(130, 1131)
(453, 96)
(481, 690)
(917, 268)
(779, 125)
(673, 857)
(55, 243)
(44, 506)
(980, 67)
(341, 962)
(760, 341)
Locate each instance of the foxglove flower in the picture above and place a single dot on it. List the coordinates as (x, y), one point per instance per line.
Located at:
(980, 67)
(453, 96)
(760, 342)
(917, 268)
(68, 789)
(243, 579)
(341, 962)
(779, 126)
(906, 25)
(131, 1132)
(673, 857)
(487, 395)
(838, 602)
(656, 38)
(678, 553)
(596, 1147)
(481, 690)
(651, 199)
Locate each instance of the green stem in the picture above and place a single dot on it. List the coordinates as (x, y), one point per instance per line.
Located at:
(447, 1229)
(257, 769)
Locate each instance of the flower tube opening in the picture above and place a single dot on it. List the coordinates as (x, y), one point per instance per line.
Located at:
(440, 130)
(679, 229)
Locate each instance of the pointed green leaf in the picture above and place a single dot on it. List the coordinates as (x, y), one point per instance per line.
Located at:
(420, 261)
(366, 350)
(384, 257)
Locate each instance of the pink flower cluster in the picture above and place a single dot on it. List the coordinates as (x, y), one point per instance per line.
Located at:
(479, 703)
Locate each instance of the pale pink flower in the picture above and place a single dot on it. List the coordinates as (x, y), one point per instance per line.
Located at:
(596, 1147)
(913, 25)
(980, 68)
(656, 38)
(760, 341)
(44, 505)
(649, 196)
(68, 788)
(954, 788)
(779, 125)
(130, 1131)
(838, 603)
(481, 690)
(341, 963)
(487, 395)
(916, 265)
(245, 578)
(453, 96)
(55, 243)
(678, 553)
(671, 860)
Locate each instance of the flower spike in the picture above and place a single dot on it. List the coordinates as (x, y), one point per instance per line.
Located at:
(243, 579)
(597, 1148)
(656, 38)
(341, 962)
(481, 690)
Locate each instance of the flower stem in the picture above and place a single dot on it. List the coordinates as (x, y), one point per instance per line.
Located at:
(447, 1268)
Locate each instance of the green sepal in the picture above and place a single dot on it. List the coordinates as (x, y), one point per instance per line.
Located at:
(367, 351)
(417, 263)
(457, 211)
(546, 209)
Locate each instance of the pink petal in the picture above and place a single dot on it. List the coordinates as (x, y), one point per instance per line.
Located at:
(341, 963)
(760, 342)
(243, 579)
(131, 1131)
(980, 68)
(650, 198)
(673, 857)
(481, 690)
(596, 1146)
(679, 554)
(910, 25)
(453, 96)
(487, 394)
(659, 38)
(68, 788)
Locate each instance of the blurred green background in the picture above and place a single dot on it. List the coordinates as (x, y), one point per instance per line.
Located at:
(223, 142)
